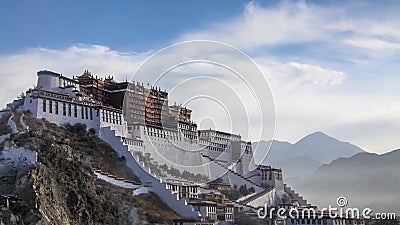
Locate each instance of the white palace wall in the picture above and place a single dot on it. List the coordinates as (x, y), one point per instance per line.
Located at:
(180, 206)
(57, 110)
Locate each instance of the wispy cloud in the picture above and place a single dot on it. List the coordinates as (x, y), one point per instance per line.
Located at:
(373, 44)
(298, 22)
(295, 72)
(283, 24)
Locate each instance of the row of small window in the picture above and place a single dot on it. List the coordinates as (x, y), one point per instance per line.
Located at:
(187, 127)
(67, 109)
(216, 149)
(185, 189)
(188, 136)
(229, 209)
(264, 176)
(133, 142)
(309, 221)
(217, 145)
(172, 136)
(111, 117)
(220, 139)
(211, 209)
(53, 95)
(229, 217)
(162, 135)
(190, 189)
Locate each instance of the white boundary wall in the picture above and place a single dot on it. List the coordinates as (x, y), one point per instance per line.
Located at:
(180, 206)
(267, 198)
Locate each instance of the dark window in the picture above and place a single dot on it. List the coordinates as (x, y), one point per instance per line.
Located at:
(44, 105)
(69, 110)
(83, 113)
(86, 113)
(75, 111)
(56, 107)
(50, 106)
(91, 114)
(64, 109)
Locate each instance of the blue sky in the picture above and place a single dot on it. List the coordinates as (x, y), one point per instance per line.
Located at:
(332, 65)
(123, 25)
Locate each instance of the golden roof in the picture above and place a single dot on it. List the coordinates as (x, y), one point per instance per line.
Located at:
(87, 74)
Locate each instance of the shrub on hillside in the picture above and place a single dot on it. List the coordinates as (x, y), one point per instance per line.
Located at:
(4, 128)
(78, 128)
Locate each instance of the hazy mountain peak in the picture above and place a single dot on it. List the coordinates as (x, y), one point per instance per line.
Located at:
(317, 136)
(318, 133)
(324, 148)
(315, 147)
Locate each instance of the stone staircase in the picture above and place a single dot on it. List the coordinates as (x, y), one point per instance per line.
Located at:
(257, 195)
(148, 179)
(296, 196)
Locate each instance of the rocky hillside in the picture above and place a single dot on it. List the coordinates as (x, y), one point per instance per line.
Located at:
(67, 190)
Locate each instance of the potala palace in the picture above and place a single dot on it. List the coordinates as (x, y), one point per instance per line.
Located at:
(191, 170)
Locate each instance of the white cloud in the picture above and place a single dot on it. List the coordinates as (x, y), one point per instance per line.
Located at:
(307, 73)
(283, 24)
(298, 22)
(373, 44)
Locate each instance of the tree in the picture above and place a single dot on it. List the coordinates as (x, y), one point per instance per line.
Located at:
(252, 190)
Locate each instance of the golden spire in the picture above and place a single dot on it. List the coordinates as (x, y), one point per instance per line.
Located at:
(86, 73)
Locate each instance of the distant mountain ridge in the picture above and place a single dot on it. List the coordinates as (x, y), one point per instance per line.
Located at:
(324, 148)
(305, 156)
(323, 168)
(366, 179)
